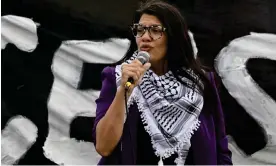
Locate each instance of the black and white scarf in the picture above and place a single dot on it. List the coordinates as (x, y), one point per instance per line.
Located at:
(169, 111)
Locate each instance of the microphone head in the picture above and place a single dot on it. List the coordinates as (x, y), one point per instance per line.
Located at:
(143, 57)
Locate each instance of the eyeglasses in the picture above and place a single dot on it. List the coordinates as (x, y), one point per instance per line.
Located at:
(155, 31)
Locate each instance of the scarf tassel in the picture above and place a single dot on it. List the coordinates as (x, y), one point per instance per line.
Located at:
(160, 162)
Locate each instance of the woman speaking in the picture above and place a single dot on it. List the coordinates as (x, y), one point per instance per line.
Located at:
(169, 113)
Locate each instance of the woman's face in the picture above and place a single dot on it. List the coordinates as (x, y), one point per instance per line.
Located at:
(156, 48)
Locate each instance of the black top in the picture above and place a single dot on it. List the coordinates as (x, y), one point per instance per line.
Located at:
(145, 152)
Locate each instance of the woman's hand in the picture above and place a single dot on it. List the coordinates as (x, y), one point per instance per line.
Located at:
(135, 70)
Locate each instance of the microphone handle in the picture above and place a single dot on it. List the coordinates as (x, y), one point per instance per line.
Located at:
(129, 82)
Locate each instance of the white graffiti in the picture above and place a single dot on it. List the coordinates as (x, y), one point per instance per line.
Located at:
(230, 65)
(65, 101)
(17, 139)
(20, 31)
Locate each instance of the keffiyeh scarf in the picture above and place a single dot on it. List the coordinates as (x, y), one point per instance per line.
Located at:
(169, 111)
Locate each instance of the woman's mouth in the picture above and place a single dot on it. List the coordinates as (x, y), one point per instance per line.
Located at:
(145, 48)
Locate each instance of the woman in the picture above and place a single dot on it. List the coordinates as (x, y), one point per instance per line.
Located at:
(173, 113)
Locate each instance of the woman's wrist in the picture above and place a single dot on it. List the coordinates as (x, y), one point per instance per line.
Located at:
(122, 90)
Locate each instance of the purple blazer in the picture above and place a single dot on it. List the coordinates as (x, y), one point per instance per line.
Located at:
(209, 142)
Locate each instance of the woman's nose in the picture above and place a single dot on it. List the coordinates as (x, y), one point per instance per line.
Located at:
(146, 36)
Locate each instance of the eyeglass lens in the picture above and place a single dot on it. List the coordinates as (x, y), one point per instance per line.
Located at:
(155, 31)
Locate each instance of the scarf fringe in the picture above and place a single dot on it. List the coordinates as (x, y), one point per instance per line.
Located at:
(169, 151)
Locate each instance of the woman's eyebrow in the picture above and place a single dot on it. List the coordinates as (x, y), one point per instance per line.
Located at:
(150, 25)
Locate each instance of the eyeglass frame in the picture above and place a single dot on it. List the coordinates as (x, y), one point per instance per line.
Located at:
(147, 28)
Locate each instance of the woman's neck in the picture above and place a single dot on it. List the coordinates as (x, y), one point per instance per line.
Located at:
(160, 68)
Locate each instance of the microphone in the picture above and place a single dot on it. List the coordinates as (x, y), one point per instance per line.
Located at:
(143, 57)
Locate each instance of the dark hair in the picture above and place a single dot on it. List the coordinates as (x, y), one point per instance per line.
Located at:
(180, 53)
